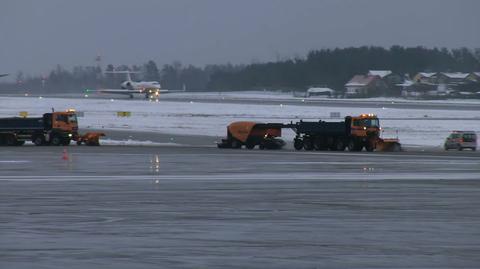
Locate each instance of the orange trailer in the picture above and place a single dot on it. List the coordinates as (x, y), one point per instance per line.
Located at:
(251, 134)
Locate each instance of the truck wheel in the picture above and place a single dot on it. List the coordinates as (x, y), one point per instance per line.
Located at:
(354, 146)
(339, 145)
(20, 143)
(369, 147)
(250, 145)
(318, 144)
(351, 146)
(10, 140)
(56, 140)
(236, 144)
(307, 144)
(298, 143)
(39, 140)
(397, 148)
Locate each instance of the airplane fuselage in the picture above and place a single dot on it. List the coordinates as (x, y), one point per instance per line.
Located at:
(140, 86)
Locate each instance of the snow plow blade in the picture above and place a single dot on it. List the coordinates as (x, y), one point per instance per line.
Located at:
(90, 139)
(390, 144)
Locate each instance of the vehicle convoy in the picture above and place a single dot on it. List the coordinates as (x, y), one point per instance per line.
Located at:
(55, 128)
(354, 134)
(461, 140)
(251, 134)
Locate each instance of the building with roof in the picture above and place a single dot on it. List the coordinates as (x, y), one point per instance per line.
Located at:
(426, 78)
(456, 78)
(381, 73)
(363, 86)
(320, 91)
(442, 85)
(474, 76)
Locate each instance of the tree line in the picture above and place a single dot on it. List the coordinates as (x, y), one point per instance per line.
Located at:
(79, 79)
(334, 67)
(328, 67)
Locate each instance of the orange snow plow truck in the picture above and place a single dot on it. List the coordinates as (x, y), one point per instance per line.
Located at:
(55, 128)
(353, 134)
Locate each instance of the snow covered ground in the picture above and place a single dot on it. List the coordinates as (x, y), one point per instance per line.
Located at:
(416, 126)
(277, 95)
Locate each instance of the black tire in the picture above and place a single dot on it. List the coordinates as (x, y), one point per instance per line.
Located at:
(307, 144)
(261, 146)
(354, 146)
(79, 143)
(298, 143)
(369, 147)
(236, 144)
(66, 142)
(56, 140)
(397, 148)
(460, 148)
(10, 140)
(339, 145)
(351, 146)
(20, 143)
(250, 145)
(38, 140)
(319, 144)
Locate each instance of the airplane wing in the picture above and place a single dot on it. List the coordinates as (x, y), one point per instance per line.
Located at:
(3, 75)
(120, 91)
(170, 91)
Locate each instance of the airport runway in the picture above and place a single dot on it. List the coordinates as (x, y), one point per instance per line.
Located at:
(366, 103)
(201, 207)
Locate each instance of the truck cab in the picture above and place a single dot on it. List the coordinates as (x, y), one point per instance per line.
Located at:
(61, 121)
(365, 132)
(61, 127)
(365, 125)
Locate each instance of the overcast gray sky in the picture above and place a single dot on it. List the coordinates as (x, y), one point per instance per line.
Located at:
(36, 35)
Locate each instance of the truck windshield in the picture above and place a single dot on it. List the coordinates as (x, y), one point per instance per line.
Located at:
(72, 118)
(367, 123)
(371, 123)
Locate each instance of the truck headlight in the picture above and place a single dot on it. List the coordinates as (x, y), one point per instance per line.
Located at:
(69, 135)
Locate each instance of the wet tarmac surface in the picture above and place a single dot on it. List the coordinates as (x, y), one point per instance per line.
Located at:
(201, 207)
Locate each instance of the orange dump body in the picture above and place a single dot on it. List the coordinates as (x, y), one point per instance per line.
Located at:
(244, 130)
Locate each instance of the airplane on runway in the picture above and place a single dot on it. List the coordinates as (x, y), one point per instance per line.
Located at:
(150, 89)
